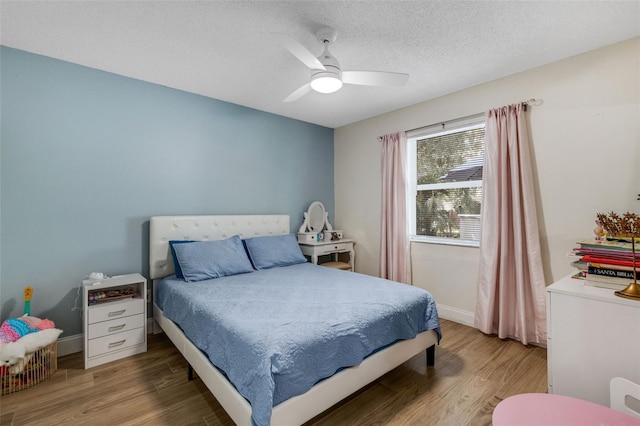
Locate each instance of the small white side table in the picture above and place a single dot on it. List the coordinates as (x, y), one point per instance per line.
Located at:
(320, 248)
(115, 327)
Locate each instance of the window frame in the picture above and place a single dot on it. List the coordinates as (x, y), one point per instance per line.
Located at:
(442, 129)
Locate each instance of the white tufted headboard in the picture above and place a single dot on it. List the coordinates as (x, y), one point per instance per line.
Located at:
(202, 228)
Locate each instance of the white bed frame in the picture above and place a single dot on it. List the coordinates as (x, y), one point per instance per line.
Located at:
(293, 411)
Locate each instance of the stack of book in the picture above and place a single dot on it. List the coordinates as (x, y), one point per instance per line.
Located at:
(607, 263)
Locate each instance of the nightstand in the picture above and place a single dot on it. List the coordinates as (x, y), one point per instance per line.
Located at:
(320, 248)
(115, 318)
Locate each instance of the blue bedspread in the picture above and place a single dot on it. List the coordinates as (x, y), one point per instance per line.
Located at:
(277, 332)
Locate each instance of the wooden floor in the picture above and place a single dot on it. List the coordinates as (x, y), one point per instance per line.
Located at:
(473, 373)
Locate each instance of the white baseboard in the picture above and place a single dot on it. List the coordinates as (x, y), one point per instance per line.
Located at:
(467, 318)
(456, 315)
(72, 344)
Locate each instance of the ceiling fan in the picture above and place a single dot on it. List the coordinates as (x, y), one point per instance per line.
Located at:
(326, 74)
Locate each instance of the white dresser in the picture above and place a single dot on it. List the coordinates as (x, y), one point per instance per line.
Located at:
(593, 336)
(114, 327)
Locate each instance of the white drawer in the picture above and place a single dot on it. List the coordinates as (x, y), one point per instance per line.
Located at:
(333, 248)
(111, 310)
(115, 342)
(105, 328)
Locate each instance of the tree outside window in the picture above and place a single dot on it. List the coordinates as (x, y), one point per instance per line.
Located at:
(447, 183)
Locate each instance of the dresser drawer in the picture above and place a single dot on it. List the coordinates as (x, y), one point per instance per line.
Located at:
(115, 342)
(105, 328)
(113, 310)
(332, 248)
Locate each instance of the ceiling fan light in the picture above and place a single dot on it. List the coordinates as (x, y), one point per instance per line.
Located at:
(324, 83)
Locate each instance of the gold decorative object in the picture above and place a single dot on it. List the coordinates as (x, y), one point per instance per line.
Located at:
(626, 226)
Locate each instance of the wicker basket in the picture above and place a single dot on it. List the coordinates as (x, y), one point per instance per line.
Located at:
(42, 364)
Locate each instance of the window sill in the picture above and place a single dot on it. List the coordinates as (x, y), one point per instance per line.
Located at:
(444, 241)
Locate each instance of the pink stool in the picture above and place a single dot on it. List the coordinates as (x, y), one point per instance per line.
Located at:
(541, 409)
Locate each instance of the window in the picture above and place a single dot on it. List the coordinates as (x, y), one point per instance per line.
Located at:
(445, 183)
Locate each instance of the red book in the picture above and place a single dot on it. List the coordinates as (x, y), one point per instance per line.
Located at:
(595, 259)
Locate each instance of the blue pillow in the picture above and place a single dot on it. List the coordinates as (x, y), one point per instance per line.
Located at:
(204, 260)
(278, 250)
(176, 265)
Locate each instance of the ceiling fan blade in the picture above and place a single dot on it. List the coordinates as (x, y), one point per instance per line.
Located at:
(298, 93)
(374, 78)
(299, 51)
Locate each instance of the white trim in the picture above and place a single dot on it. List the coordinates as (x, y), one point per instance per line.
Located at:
(451, 125)
(456, 315)
(424, 239)
(449, 185)
(461, 126)
(70, 345)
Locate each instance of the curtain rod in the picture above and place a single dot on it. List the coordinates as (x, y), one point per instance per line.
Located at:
(528, 102)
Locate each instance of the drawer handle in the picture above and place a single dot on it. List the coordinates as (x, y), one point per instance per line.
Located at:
(116, 313)
(114, 344)
(117, 327)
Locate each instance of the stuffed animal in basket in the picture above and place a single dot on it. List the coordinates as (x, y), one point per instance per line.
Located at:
(17, 354)
(20, 337)
(12, 355)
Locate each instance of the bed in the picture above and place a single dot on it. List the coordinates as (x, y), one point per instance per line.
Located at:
(294, 396)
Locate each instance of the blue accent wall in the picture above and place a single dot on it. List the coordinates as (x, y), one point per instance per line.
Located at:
(86, 157)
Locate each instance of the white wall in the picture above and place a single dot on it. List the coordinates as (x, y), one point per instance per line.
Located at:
(586, 157)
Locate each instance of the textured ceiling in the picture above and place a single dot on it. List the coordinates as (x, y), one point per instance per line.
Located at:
(224, 49)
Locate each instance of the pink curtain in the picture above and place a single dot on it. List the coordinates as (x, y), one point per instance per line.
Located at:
(394, 242)
(511, 287)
